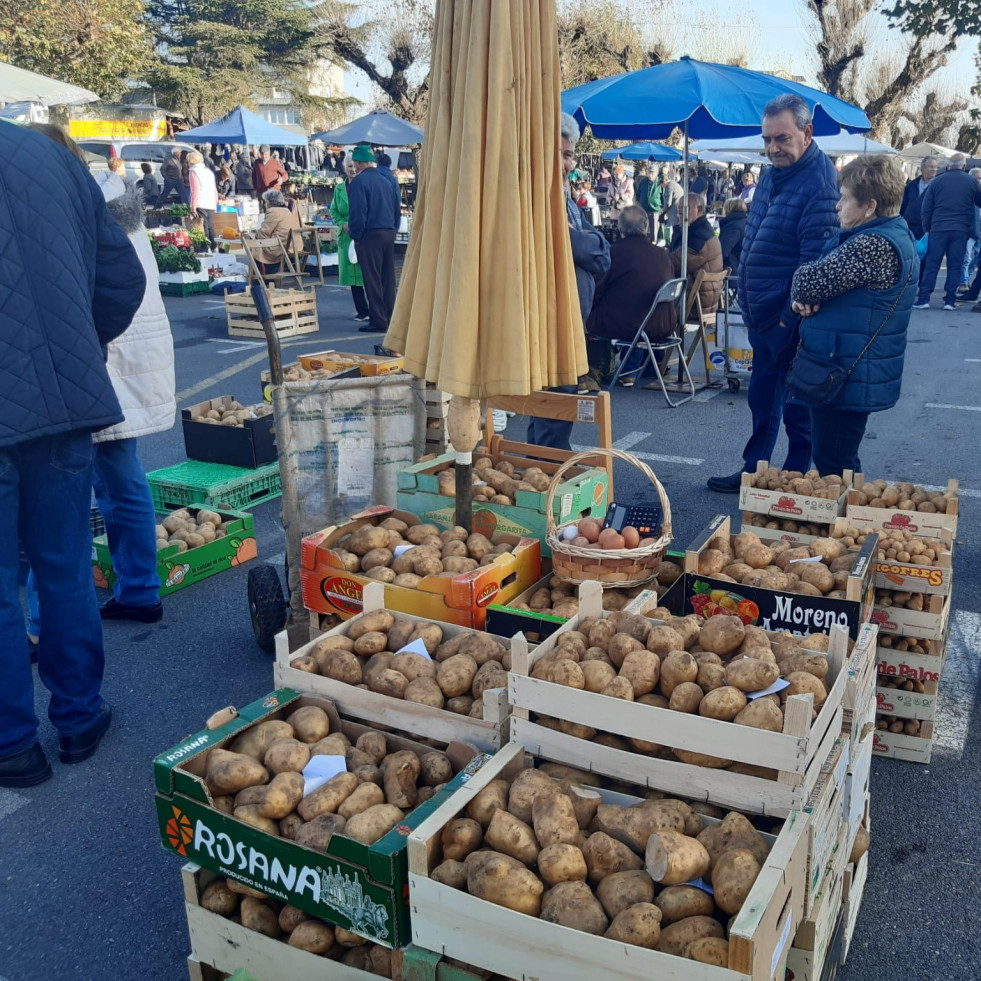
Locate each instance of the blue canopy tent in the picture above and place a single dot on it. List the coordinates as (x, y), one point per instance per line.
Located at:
(379, 128)
(704, 100)
(644, 151)
(245, 128)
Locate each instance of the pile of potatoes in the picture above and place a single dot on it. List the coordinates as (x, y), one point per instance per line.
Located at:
(454, 677)
(257, 911)
(814, 529)
(546, 845)
(187, 529)
(894, 546)
(495, 483)
(902, 599)
(370, 551)
(686, 664)
(562, 600)
(745, 559)
(901, 684)
(906, 727)
(903, 496)
(810, 484)
(913, 645)
(235, 415)
(259, 780)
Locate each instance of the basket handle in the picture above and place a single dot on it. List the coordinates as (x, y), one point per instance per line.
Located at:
(550, 527)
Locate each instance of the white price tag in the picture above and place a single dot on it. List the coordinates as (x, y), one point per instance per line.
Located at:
(777, 685)
(355, 467)
(319, 770)
(416, 647)
(401, 550)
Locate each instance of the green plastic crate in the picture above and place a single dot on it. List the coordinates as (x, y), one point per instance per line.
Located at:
(184, 289)
(196, 482)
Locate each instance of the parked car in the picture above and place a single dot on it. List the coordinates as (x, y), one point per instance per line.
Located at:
(135, 152)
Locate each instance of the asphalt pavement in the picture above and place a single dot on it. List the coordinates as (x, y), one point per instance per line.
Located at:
(86, 891)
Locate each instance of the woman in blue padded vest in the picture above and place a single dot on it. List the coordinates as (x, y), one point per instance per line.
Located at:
(865, 282)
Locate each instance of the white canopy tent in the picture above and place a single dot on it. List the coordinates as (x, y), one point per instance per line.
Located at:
(20, 85)
(918, 151)
(840, 145)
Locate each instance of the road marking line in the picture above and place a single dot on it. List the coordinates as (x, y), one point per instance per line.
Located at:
(959, 682)
(231, 340)
(10, 802)
(973, 360)
(690, 461)
(631, 439)
(947, 405)
(707, 394)
(961, 491)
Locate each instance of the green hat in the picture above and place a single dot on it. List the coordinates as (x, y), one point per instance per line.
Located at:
(363, 154)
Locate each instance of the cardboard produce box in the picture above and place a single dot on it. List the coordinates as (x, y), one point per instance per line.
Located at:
(369, 365)
(585, 492)
(329, 588)
(359, 887)
(250, 445)
(178, 569)
(776, 609)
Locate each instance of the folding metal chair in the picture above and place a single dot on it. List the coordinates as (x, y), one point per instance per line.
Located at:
(669, 293)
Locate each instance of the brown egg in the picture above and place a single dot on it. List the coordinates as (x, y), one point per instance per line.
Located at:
(581, 542)
(631, 537)
(610, 539)
(590, 529)
(647, 541)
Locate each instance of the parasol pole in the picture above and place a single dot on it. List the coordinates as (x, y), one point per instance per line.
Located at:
(463, 428)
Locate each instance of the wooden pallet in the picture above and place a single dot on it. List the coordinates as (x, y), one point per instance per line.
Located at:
(294, 311)
(523, 947)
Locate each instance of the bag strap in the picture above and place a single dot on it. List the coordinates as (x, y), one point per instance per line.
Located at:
(899, 296)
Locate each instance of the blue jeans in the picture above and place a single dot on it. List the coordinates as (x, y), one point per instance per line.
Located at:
(953, 245)
(126, 505)
(556, 433)
(773, 351)
(836, 435)
(45, 502)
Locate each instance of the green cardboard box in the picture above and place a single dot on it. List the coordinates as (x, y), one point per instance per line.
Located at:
(584, 493)
(363, 888)
(178, 569)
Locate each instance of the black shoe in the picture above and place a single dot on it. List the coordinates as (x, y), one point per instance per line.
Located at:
(25, 769)
(976, 308)
(32, 647)
(726, 485)
(74, 749)
(114, 610)
(372, 330)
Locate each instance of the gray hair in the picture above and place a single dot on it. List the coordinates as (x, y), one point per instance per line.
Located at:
(696, 200)
(975, 172)
(633, 221)
(569, 128)
(926, 160)
(957, 162)
(274, 198)
(793, 104)
(264, 148)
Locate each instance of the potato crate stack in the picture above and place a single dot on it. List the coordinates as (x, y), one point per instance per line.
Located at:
(913, 580)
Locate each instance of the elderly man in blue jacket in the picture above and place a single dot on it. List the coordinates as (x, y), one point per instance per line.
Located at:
(71, 283)
(791, 220)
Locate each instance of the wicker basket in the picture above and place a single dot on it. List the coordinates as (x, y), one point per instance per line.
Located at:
(614, 566)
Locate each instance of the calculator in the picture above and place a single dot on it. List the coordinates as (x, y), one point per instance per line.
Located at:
(646, 518)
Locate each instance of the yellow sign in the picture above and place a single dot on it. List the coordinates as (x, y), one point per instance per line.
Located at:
(117, 129)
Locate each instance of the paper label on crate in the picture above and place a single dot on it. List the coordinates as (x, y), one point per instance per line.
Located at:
(319, 770)
(585, 411)
(355, 467)
(777, 685)
(700, 883)
(401, 550)
(416, 647)
(565, 508)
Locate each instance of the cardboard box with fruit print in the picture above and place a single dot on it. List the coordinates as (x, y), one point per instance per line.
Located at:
(178, 563)
(777, 609)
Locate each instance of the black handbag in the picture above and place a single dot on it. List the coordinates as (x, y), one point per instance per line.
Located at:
(818, 379)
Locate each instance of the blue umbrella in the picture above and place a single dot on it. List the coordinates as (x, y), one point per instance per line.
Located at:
(644, 151)
(243, 127)
(379, 128)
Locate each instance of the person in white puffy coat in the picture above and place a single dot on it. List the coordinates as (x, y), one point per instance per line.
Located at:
(141, 368)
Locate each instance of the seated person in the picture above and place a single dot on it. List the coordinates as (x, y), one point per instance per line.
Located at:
(278, 222)
(624, 294)
(704, 252)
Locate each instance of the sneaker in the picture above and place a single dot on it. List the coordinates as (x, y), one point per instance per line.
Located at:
(361, 317)
(627, 382)
(588, 384)
(726, 485)
(950, 306)
(922, 306)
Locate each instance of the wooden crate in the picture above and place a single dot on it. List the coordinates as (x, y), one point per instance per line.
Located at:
(793, 538)
(527, 948)
(858, 718)
(813, 943)
(908, 704)
(295, 312)
(854, 889)
(437, 406)
(798, 753)
(794, 507)
(907, 664)
(224, 946)
(930, 623)
(825, 808)
(917, 522)
(899, 746)
(487, 734)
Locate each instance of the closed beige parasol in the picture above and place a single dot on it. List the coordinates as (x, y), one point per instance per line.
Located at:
(487, 303)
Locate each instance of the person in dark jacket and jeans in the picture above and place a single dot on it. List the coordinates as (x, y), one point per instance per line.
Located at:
(732, 228)
(913, 196)
(376, 213)
(862, 284)
(791, 220)
(67, 295)
(947, 214)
